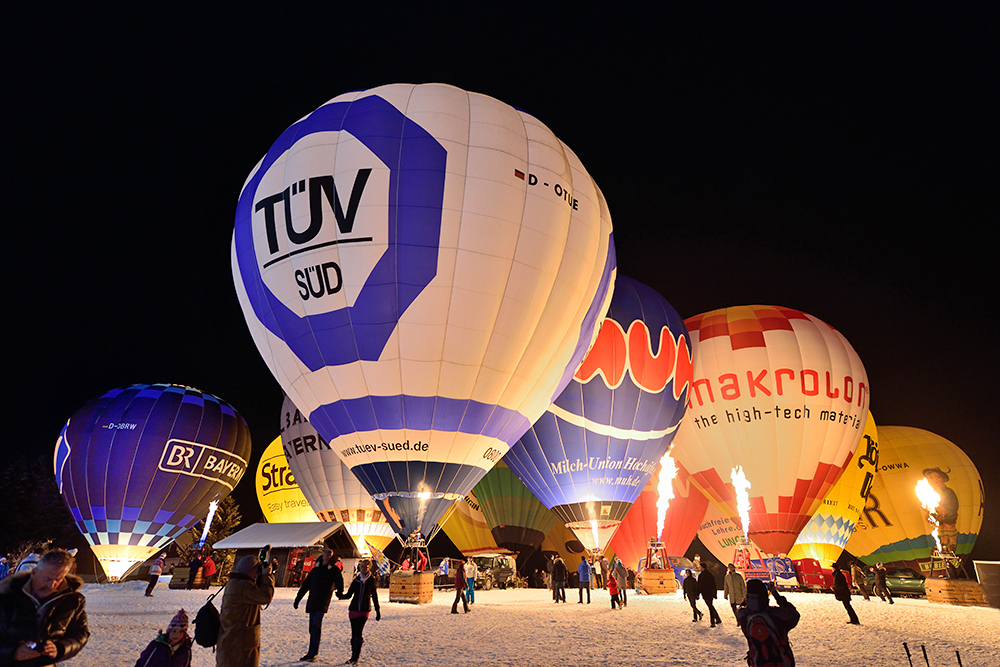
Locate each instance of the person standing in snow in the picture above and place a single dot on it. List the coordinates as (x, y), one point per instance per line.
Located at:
(613, 590)
(881, 590)
(598, 573)
(621, 576)
(471, 572)
(691, 594)
(460, 585)
(734, 588)
(172, 648)
(708, 590)
(842, 592)
(154, 573)
(320, 583)
(364, 596)
(859, 580)
(559, 575)
(250, 585)
(583, 572)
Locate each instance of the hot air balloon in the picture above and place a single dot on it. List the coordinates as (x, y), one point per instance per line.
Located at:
(140, 465)
(517, 520)
(684, 515)
(281, 500)
(781, 396)
(466, 527)
(894, 527)
(827, 532)
(422, 269)
(590, 455)
(333, 492)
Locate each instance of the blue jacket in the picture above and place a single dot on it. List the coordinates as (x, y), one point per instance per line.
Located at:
(583, 569)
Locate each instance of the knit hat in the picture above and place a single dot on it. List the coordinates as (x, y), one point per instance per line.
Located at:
(246, 565)
(756, 587)
(180, 620)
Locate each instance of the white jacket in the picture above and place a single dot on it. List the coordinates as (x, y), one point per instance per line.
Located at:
(471, 571)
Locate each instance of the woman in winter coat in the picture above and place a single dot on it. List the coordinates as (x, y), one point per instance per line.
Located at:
(460, 585)
(172, 648)
(250, 585)
(621, 576)
(363, 596)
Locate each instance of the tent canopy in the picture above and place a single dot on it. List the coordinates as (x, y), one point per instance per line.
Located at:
(280, 535)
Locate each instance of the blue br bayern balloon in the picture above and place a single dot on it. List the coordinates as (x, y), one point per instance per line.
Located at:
(421, 268)
(590, 455)
(140, 465)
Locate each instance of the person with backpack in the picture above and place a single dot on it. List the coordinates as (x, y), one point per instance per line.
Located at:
(766, 627)
(691, 594)
(842, 592)
(171, 648)
(249, 587)
(708, 590)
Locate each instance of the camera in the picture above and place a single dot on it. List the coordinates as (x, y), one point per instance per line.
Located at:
(264, 555)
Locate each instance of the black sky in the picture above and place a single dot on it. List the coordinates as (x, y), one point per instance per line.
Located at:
(841, 164)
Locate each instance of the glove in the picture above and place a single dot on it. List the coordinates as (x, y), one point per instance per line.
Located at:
(295, 605)
(378, 615)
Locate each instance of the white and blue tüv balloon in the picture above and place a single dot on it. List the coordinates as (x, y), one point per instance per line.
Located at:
(422, 269)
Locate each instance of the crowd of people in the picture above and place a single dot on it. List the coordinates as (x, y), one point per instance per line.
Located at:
(43, 618)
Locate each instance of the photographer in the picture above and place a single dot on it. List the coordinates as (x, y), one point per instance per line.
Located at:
(250, 585)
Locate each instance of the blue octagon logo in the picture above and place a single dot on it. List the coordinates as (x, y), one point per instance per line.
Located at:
(416, 162)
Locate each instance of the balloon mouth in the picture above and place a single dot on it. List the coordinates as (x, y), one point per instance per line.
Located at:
(420, 495)
(594, 534)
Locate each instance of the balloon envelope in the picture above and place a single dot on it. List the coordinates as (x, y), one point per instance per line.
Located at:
(281, 500)
(782, 395)
(422, 269)
(592, 452)
(827, 532)
(139, 466)
(893, 527)
(333, 492)
(466, 527)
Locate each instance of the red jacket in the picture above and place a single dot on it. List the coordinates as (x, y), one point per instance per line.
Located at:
(460, 582)
(612, 586)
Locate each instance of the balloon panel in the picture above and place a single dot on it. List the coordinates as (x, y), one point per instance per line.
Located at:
(140, 465)
(422, 269)
(466, 527)
(516, 518)
(827, 532)
(893, 527)
(329, 486)
(720, 534)
(590, 455)
(781, 394)
(281, 500)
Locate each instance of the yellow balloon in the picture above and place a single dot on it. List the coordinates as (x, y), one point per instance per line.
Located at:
(893, 527)
(277, 492)
(466, 527)
(826, 534)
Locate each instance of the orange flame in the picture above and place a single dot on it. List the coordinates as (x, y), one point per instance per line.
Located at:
(929, 500)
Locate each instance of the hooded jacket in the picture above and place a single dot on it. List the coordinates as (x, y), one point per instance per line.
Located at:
(239, 633)
(61, 618)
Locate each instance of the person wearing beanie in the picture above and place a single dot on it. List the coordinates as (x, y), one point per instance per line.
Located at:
(172, 648)
(250, 585)
(363, 596)
(842, 592)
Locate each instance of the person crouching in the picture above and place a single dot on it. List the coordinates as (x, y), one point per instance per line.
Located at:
(172, 648)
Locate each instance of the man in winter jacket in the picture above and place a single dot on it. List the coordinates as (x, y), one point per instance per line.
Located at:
(859, 580)
(154, 573)
(881, 589)
(784, 617)
(691, 594)
(583, 572)
(559, 576)
(43, 618)
(708, 590)
(734, 588)
(250, 585)
(842, 592)
(322, 579)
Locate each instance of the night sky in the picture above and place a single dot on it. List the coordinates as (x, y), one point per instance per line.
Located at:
(840, 164)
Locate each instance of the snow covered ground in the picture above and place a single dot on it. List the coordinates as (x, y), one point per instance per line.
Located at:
(524, 627)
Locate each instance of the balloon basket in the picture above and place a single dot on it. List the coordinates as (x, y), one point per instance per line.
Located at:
(657, 582)
(411, 587)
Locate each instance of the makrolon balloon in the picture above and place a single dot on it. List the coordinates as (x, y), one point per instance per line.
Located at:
(590, 455)
(422, 269)
(140, 465)
(827, 532)
(333, 492)
(281, 500)
(681, 520)
(894, 526)
(779, 397)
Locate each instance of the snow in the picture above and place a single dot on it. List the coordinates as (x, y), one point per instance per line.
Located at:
(524, 627)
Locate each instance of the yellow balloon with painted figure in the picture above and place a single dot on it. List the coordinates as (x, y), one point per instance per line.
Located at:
(466, 527)
(893, 526)
(279, 495)
(829, 529)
